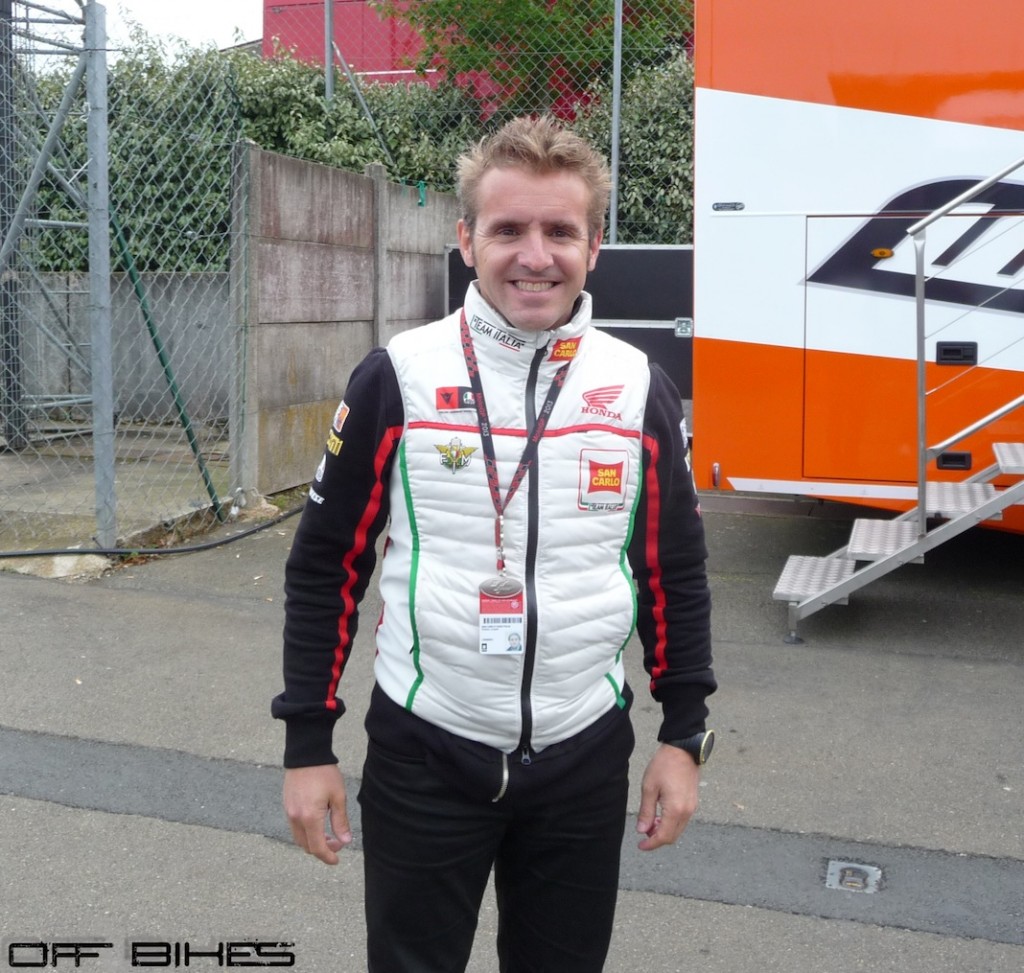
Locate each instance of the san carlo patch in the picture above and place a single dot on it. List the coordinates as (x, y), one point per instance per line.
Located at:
(604, 475)
(564, 349)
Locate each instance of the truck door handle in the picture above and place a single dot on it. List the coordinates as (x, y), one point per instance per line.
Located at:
(956, 353)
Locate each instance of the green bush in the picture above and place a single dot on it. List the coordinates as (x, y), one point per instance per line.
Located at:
(171, 124)
(655, 152)
(174, 118)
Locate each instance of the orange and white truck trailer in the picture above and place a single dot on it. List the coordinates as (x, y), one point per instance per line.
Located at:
(836, 354)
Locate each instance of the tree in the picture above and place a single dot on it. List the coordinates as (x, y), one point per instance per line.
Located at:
(535, 56)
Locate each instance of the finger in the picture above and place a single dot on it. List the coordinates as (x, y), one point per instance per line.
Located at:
(647, 816)
(341, 831)
(319, 844)
(309, 834)
(657, 835)
(648, 842)
(666, 830)
(298, 833)
(672, 824)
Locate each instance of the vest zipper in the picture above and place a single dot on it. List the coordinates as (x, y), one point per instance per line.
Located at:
(532, 515)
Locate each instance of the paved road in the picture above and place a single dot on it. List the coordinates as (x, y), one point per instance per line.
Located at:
(139, 784)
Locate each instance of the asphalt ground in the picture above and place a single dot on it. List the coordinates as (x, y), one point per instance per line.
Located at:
(864, 809)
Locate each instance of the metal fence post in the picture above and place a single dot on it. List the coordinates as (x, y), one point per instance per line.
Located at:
(242, 455)
(329, 50)
(382, 282)
(613, 202)
(99, 276)
(13, 420)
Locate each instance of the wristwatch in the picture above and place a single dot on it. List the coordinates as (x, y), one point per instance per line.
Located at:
(698, 746)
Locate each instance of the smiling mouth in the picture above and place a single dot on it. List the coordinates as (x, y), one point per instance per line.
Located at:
(533, 286)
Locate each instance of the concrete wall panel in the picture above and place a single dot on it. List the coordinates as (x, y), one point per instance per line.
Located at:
(299, 281)
(426, 228)
(298, 200)
(308, 363)
(290, 444)
(324, 279)
(415, 286)
(188, 314)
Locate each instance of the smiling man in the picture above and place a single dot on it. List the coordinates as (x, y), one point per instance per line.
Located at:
(530, 240)
(532, 475)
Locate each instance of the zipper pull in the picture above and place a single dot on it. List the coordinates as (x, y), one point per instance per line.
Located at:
(504, 780)
(526, 759)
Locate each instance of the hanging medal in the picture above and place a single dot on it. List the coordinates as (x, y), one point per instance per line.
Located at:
(502, 599)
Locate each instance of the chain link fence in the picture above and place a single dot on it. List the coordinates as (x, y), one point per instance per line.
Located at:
(117, 344)
(620, 73)
(121, 335)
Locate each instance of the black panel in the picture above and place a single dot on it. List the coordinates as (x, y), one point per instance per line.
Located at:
(953, 461)
(631, 283)
(674, 355)
(956, 353)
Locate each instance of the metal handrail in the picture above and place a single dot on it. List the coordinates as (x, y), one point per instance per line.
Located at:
(1005, 410)
(917, 234)
(964, 197)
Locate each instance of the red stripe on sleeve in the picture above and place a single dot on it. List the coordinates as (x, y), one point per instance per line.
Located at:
(651, 549)
(362, 534)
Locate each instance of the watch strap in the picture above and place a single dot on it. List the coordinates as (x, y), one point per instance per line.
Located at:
(697, 746)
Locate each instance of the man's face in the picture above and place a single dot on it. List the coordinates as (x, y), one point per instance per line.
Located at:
(530, 246)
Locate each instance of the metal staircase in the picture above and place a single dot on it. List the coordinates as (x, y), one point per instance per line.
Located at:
(877, 547)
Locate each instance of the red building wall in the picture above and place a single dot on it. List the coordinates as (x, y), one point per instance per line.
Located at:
(379, 49)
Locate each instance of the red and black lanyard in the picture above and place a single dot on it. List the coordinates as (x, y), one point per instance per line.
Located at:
(487, 440)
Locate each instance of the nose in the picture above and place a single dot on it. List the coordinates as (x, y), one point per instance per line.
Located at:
(534, 254)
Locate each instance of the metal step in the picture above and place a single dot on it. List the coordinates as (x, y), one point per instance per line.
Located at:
(803, 577)
(873, 539)
(951, 500)
(810, 583)
(1009, 456)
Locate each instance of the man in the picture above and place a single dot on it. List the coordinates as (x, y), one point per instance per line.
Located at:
(540, 508)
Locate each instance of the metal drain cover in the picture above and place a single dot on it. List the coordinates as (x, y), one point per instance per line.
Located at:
(853, 877)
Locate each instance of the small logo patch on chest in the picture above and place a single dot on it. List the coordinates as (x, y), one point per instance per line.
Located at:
(604, 475)
(598, 402)
(455, 456)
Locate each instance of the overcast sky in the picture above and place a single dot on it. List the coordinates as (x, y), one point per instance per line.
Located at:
(196, 21)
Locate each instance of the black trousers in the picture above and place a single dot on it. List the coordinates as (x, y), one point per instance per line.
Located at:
(554, 842)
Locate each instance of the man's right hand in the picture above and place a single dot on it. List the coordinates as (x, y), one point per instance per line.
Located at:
(312, 796)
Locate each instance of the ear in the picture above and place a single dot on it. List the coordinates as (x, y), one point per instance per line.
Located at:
(595, 246)
(465, 242)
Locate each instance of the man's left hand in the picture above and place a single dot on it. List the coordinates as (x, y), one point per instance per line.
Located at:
(670, 787)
